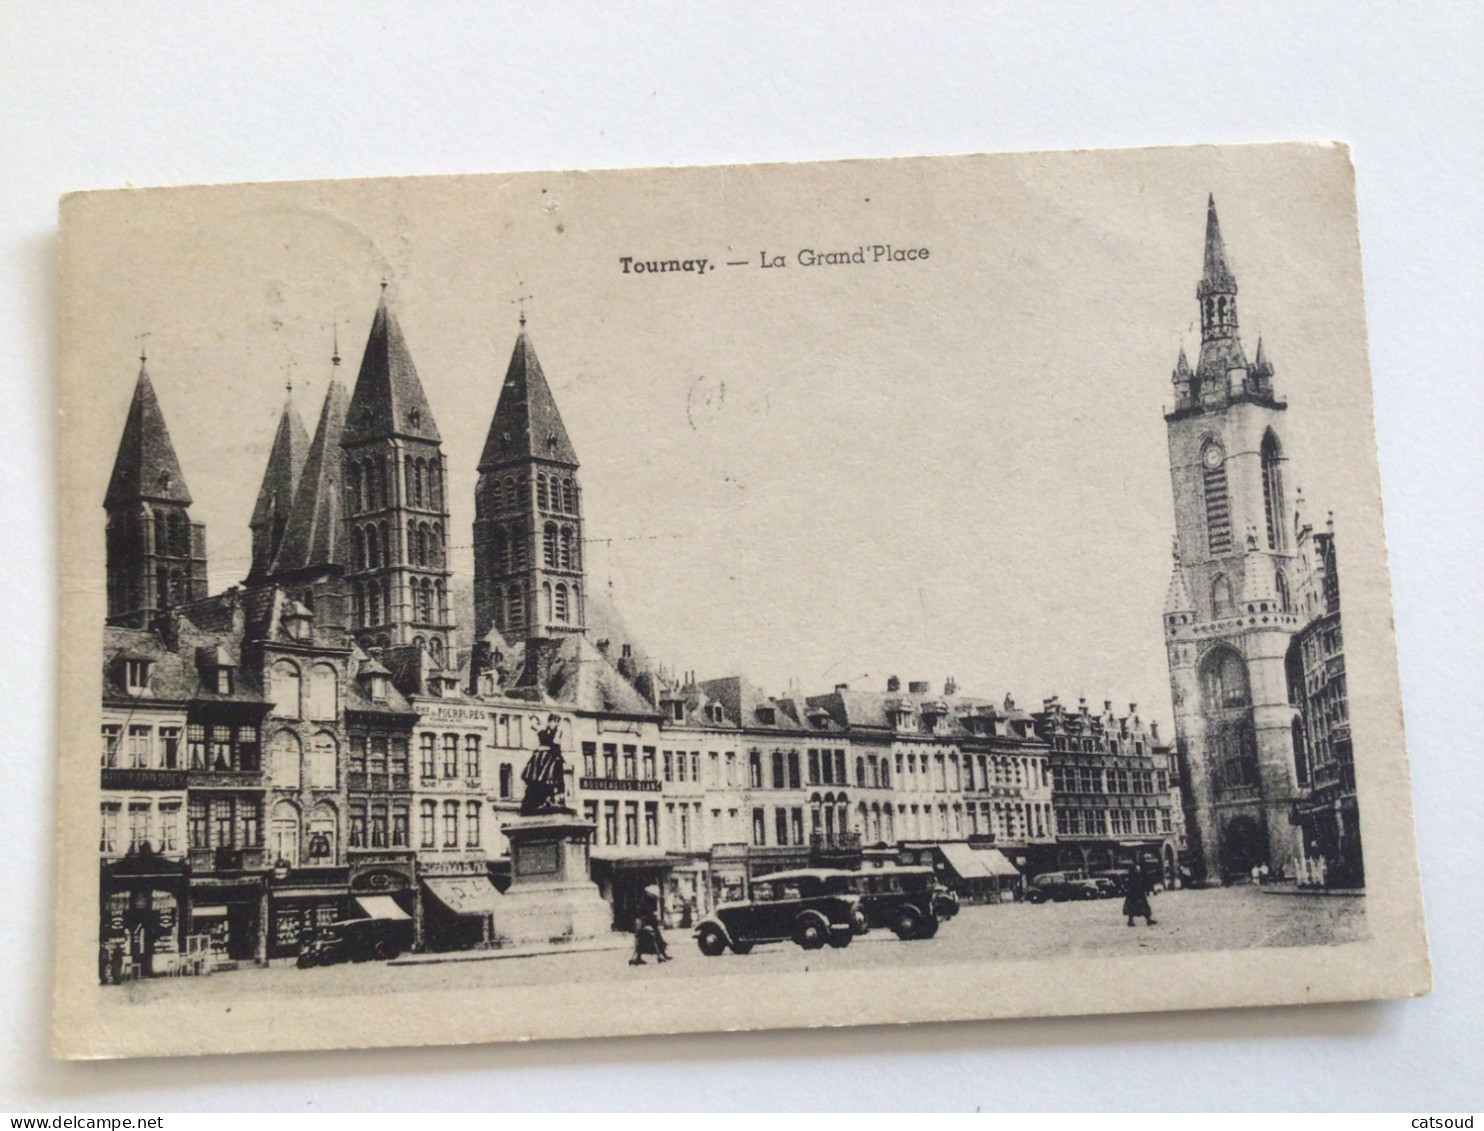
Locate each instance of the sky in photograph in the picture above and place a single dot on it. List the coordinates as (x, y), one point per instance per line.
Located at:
(952, 466)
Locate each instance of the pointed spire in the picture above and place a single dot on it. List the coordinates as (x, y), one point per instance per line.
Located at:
(315, 534)
(1182, 366)
(526, 422)
(146, 466)
(388, 398)
(1260, 362)
(1216, 277)
(280, 485)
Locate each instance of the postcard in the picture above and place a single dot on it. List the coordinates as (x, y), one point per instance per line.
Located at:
(667, 600)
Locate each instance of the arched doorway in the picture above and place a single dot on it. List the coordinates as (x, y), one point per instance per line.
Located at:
(1243, 845)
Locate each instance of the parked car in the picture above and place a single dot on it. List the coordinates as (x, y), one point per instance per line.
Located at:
(1058, 887)
(356, 940)
(807, 906)
(1118, 877)
(911, 902)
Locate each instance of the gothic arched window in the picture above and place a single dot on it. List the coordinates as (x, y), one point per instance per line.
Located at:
(541, 492)
(1224, 680)
(561, 611)
(549, 546)
(577, 605)
(1280, 587)
(512, 500)
(569, 497)
(546, 600)
(440, 590)
(517, 607)
(1218, 502)
(566, 547)
(435, 483)
(324, 692)
(373, 604)
(1272, 489)
(353, 488)
(500, 549)
(285, 760)
(358, 604)
(284, 687)
(422, 544)
(373, 548)
(357, 549)
(1221, 597)
(435, 544)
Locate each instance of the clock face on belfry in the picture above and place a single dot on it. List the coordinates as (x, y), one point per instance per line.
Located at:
(1212, 457)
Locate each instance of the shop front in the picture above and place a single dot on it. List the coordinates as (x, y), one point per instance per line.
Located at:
(304, 901)
(141, 931)
(632, 885)
(228, 921)
(459, 911)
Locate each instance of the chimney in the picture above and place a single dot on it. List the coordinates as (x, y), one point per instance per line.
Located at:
(481, 660)
(839, 687)
(1133, 709)
(918, 687)
(540, 652)
(1107, 706)
(893, 683)
(950, 686)
(602, 645)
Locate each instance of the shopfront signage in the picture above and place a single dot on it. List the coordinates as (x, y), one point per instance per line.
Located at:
(631, 785)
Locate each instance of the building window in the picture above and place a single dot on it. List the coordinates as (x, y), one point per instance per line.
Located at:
(1272, 490)
(378, 826)
(450, 755)
(507, 780)
(778, 775)
(197, 829)
(685, 826)
(590, 759)
(471, 824)
(108, 839)
(754, 769)
(631, 823)
(610, 760)
(795, 780)
(649, 766)
(630, 763)
(427, 755)
(814, 767)
(450, 824)
(169, 826)
(651, 823)
(610, 822)
(136, 675)
(111, 733)
(590, 813)
(428, 820)
(471, 756)
(759, 828)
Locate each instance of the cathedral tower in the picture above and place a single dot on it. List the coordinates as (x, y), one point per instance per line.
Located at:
(528, 578)
(270, 516)
(396, 505)
(156, 554)
(1228, 616)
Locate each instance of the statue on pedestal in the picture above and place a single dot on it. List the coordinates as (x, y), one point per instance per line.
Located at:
(545, 775)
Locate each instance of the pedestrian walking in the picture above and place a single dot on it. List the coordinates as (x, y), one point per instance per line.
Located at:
(1136, 900)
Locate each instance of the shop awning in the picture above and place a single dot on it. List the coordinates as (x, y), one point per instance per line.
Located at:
(994, 861)
(380, 907)
(966, 862)
(209, 912)
(464, 895)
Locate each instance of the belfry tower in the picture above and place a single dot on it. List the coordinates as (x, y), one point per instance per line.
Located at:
(396, 503)
(1228, 615)
(156, 554)
(528, 578)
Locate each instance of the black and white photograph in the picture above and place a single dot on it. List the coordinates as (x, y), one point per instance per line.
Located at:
(732, 597)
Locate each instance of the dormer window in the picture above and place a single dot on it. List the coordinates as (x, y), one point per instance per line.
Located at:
(224, 681)
(767, 716)
(717, 716)
(136, 676)
(378, 687)
(677, 710)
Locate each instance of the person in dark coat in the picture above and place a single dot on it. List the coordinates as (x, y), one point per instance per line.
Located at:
(1136, 899)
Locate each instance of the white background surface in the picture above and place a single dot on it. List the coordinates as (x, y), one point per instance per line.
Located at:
(103, 96)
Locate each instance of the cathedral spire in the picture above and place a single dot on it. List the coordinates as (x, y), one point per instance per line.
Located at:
(146, 466)
(270, 515)
(526, 423)
(388, 399)
(314, 535)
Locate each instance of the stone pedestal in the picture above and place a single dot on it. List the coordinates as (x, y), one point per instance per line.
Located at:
(551, 896)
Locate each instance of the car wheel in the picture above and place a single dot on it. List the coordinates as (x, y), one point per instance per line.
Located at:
(811, 931)
(928, 929)
(841, 939)
(305, 961)
(741, 948)
(711, 941)
(1035, 897)
(907, 925)
(385, 951)
(1094, 894)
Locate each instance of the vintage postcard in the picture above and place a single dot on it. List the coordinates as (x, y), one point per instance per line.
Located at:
(594, 603)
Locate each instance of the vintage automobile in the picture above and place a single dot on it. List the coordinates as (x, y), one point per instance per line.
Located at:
(911, 902)
(1058, 887)
(808, 906)
(356, 940)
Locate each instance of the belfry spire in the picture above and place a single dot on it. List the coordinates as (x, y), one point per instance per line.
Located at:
(270, 515)
(1216, 276)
